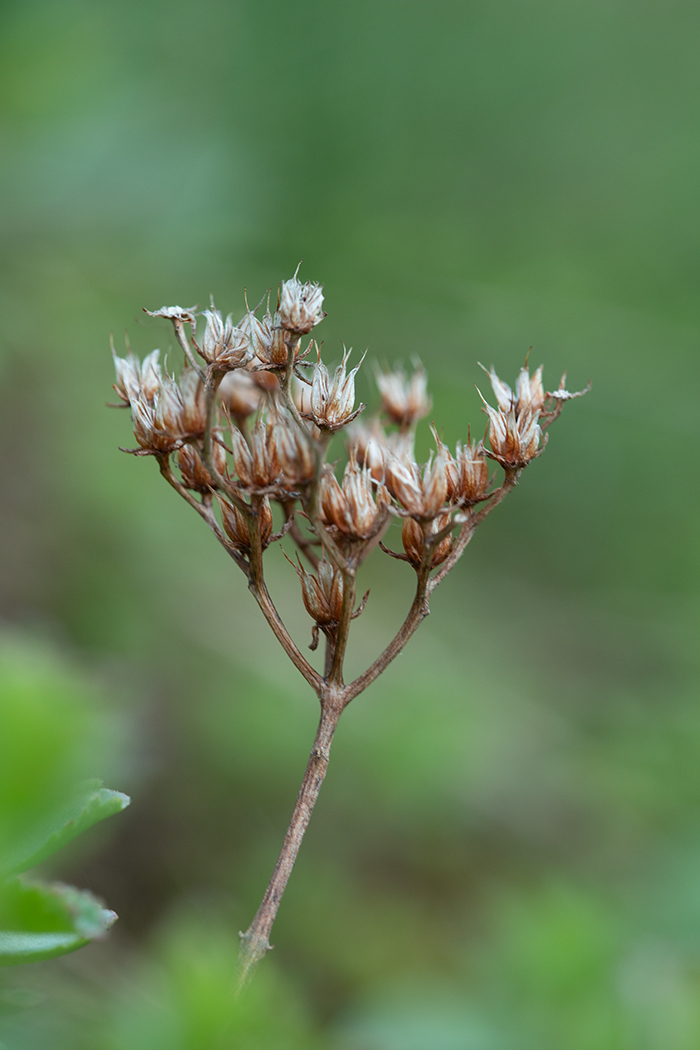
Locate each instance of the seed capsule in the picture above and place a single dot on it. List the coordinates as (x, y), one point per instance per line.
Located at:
(422, 495)
(333, 402)
(322, 595)
(236, 526)
(354, 509)
(223, 343)
(240, 393)
(301, 306)
(193, 404)
(414, 541)
(404, 400)
(194, 474)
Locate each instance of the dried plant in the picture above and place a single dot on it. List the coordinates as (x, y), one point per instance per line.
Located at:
(232, 472)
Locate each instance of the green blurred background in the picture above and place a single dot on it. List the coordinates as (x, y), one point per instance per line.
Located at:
(506, 854)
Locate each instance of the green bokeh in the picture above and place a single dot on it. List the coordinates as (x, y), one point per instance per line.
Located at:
(506, 853)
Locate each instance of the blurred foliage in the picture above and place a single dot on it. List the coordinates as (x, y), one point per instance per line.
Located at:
(506, 852)
(49, 733)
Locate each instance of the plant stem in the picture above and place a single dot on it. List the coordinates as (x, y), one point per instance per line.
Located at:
(255, 942)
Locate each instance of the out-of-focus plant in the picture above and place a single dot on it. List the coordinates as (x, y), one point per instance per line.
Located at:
(198, 428)
(47, 735)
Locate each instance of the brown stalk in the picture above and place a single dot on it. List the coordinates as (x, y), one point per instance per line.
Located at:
(335, 676)
(255, 942)
(258, 588)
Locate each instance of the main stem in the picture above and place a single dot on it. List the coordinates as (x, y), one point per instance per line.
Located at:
(255, 942)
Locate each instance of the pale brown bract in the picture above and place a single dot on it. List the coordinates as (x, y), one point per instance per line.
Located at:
(244, 436)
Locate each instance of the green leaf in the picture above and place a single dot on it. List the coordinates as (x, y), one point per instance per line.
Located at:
(89, 805)
(40, 920)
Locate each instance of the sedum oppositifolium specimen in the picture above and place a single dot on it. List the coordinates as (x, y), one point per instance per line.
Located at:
(243, 434)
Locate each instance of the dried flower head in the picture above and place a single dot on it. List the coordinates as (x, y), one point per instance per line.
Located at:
(237, 529)
(193, 404)
(467, 474)
(168, 408)
(195, 475)
(223, 343)
(240, 393)
(300, 305)
(333, 403)
(322, 594)
(269, 340)
(421, 494)
(255, 463)
(290, 450)
(404, 400)
(413, 540)
(359, 508)
(137, 379)
(515, 435)
(515, 440)
(175, 313)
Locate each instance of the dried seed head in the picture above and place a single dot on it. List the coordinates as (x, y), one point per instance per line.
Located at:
(174, 313)
(515, 439)
(367, 445)
(332, 403)
(300, 306)
(472, 474)
(323, 594)
(266, 468)
(289, 449)
(502, 392)
(421, 495)
(148, 429)
(414, 540)
(135, 379)
(332, 501)
(240, 393)
(354, 509)
(236, 526)
(193, 403)
(366, 513)
(223, 343)
(168, 408)
(268, 339)
(144, 425)
(404, 400)
(514, 431)
(251, 461)
(529, 391)
(194, 474)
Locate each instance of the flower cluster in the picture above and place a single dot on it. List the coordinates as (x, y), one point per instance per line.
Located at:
(244, 435)
(246, 429)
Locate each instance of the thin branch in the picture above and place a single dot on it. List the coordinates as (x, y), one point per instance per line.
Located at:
(343, 631)
(179, 327)
(212, 381)
(470, 526)
(258, 588)
(465, 534)
(304, 544)
(420, 608)
(255, 942)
